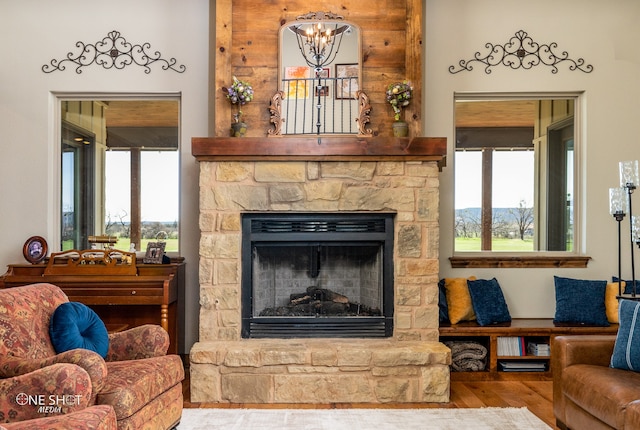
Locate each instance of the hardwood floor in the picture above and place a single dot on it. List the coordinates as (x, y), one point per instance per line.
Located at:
(537, 396)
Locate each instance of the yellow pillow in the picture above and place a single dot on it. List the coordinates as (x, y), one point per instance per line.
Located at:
(459, 299)
(611, 301)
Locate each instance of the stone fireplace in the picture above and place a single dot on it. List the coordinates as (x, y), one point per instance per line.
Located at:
(397, 177)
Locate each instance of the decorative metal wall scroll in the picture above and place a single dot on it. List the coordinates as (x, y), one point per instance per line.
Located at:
(113, 51)
(522, 52)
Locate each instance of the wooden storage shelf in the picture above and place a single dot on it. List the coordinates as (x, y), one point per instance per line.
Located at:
(541, 330)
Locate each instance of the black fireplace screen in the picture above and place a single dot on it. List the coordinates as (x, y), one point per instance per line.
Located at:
(317, 275)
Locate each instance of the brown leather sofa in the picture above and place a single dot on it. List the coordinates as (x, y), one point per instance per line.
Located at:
(587, 393)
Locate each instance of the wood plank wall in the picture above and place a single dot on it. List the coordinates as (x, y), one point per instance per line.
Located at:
(246, 45)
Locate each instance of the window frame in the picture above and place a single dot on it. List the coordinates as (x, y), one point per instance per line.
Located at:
(545, 259)
(83, 194)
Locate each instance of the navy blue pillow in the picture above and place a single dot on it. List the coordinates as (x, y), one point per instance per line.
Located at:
(488, 301)
(442, 302)
(580, 301)
(628, 289)
(75, 325)
(626, 352)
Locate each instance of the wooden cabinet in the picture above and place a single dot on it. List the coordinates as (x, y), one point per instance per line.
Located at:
(155, 295)
(541, 331)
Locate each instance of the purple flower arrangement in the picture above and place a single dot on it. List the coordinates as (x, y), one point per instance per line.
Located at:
(239, 93)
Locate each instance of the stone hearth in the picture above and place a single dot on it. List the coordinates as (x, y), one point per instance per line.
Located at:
(411, 366)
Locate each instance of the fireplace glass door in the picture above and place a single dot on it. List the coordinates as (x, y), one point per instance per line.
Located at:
(317, 275)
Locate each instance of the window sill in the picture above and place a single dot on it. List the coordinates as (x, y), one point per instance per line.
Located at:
(514, 262)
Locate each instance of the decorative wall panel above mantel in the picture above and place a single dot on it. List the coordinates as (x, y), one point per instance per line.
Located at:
(248, 49)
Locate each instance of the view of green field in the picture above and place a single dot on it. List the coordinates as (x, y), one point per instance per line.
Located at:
(124, 242)
(497, 244)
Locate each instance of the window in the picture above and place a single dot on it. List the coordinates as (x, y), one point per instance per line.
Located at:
(514, 165)
(119, 172)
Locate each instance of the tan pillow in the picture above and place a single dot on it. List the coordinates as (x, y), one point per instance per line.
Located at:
(459, 299)
(611, 301)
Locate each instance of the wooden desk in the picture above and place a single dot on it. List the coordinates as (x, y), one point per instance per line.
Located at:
(150, 297)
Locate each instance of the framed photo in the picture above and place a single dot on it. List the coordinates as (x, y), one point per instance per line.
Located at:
(323, 91)
(35, 249)
(155, 251)
(347, 84)
(294, 88)
(326, 73)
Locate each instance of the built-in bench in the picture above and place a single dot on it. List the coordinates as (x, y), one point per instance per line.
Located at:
(502, 365)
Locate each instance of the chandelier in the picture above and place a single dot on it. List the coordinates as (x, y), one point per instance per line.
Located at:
(319, 38)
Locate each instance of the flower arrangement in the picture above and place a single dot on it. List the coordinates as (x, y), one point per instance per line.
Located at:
(239, 93)
(399, 96)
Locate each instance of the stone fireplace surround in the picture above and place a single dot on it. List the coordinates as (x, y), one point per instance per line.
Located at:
(348, 174)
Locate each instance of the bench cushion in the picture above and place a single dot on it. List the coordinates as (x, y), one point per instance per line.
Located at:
(488, 301)
(459, 300)
(580, 301)
(611, 300)
(442, 302)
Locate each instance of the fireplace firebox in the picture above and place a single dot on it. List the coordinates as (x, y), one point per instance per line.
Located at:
(317, 275)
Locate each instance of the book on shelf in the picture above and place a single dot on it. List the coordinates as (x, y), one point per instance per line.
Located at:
(517, 346)
(512, 346)
(538, 349)
(523, 366)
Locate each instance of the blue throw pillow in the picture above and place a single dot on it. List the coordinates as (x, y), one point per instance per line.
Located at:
(442, 302)
(628, 289)
(75, 325)
(580, 301)
(626, 352)
(488, 301)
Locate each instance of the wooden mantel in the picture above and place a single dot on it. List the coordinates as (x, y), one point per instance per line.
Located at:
(344, 148)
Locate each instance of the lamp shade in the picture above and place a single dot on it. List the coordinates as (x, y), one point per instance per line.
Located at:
(629, 174)
(635, 228)
(617, 201)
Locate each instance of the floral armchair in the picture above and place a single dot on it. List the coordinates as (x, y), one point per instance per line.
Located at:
(137, 378)
(54, 397)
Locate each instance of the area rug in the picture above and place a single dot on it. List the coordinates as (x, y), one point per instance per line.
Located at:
(353, 419)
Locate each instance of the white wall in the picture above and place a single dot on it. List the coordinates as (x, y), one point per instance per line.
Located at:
(605, 34)
(35, 32)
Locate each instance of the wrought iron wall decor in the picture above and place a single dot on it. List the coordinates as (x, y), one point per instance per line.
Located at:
(113, 51)
(521, 51)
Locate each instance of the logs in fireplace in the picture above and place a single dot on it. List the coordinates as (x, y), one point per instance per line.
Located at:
(317, 275)
(320, 302)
